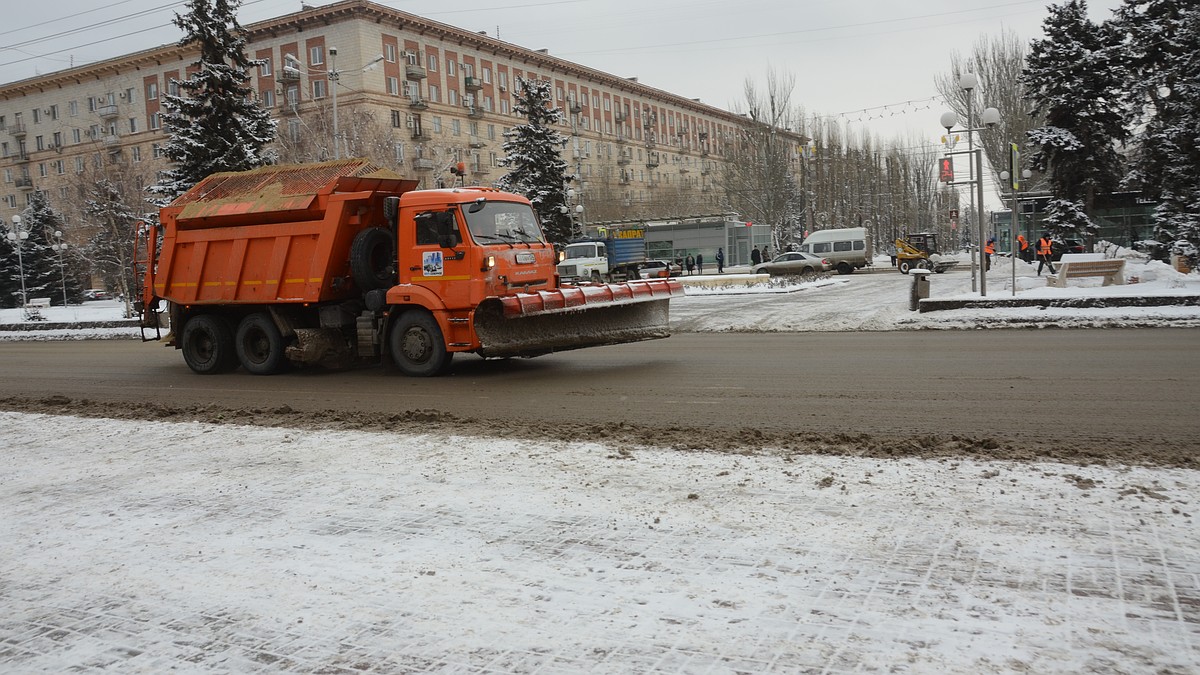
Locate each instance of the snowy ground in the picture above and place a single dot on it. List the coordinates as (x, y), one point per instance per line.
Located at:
(139, 546)
(143, 547)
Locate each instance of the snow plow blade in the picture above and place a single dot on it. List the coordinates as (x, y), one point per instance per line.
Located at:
(574, 317)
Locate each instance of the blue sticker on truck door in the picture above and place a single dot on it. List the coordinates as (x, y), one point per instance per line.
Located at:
(431, 264)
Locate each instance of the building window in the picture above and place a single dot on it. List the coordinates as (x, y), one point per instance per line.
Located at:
(156, 150)
(8, 175)
(435, 95)
(155, 121)
(152, 91)
(487, 75)
(133, 125)
(60, 167)
(397, 119)
(432, 60)
(456, 127)
(76, 135)
(42, 170)
(268, 98)
(79, 164)
(389, 53)
(316, 55)
(73, 108)
(393, 86)
(173, 87)
(452, 97)
(57, 140)
(264, 68)
(293, 96)
(136, 152)
(450, 67)
(40, 143)
(37, 115)
(491, 132)
(294, 130)
(399, 153)
(437, 125)
(318, 87)
(54, 112)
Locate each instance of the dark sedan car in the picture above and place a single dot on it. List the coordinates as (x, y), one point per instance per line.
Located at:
(1066, 246)
(794, 265)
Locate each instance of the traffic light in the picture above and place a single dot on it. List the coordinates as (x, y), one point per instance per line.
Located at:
(946, 170)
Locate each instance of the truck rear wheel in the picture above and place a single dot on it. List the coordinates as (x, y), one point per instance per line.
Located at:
(207, 345)
(260, 345)
(417, 346)
(844, 268)
(373, 259)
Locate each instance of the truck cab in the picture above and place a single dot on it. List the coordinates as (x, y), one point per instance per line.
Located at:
(584, 261)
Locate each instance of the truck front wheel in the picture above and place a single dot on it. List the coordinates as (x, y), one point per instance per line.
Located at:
(207, 345)
(417, 346)
(260, 345)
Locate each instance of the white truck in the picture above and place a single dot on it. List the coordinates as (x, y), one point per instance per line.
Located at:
(615, 256)
(847, 248)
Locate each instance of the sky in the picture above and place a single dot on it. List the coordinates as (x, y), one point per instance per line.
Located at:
(868, 63)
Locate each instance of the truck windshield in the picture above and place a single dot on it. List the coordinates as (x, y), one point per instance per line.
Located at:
(502, 222)
(581, 251)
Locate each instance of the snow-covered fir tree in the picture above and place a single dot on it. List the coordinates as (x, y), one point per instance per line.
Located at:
(1164, 99)
(44, 277)
(532, 154)
(1074, 77)
(215, 123)
(112, 243)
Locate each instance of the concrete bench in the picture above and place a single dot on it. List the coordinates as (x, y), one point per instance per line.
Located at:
(1078, 265)
(35, 307)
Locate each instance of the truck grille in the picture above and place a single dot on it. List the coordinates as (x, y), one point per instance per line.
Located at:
(568, 270)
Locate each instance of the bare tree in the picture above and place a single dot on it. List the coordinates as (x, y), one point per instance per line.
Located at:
(997, 61)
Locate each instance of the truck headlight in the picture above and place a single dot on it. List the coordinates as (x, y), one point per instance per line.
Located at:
(488, 263)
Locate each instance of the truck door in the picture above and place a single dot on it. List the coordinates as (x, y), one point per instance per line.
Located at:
(433, 255)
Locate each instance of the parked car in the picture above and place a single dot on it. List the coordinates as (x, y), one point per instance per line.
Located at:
(794, 264)
(1066, 246)
(95, 294)
(659, 269)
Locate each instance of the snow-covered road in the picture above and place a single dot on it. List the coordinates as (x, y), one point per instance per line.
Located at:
(147, 547)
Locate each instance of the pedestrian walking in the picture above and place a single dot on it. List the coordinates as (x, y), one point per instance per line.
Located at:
(691, 264)
(755, 256)
(766, 253)
(1045, 249)
(699, 263)
(989, 250)
(720, 261)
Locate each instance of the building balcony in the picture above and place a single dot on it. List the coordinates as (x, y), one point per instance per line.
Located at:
(472, 83)
(623, 160)
(415, 72)
(21, 157)
(624, 180)
(418, 103)
(107, 112)
(17, 130)
(622, 139)
(287, 75)
(23, 183)
(480, 170)
(475, 142)
(420, 135)
(652, 164)
(422, 164)
(684, 169)
(474, 112)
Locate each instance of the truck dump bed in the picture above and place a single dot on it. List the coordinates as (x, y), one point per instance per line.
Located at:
(279, 234)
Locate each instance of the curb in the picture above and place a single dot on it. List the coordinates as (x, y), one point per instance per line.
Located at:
(27, 326)
(927, 305)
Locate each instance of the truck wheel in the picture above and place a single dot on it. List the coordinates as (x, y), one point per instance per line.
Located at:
(207, 345)
(373, 259)
(844, 268)
(904, 266)
(417, 346)
(260, 345)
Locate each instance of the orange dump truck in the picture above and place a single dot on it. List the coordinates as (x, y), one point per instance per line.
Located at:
(340, 261)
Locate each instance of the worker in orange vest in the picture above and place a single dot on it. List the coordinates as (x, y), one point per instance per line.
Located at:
(989, 250)
(1045, 250)
(1023, 243)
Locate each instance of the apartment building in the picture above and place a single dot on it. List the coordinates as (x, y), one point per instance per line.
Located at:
(416, 95)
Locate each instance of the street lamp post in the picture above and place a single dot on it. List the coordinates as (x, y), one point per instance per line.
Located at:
(990, 118)
(60, 247)
(18, 235)
(1016, 207)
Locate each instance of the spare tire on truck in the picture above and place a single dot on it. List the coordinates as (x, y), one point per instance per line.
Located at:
(373, 259)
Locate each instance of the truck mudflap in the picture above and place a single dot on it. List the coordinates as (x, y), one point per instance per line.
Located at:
(574, 317)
